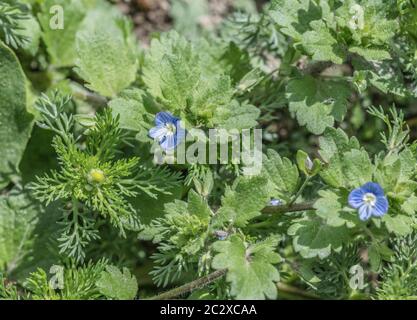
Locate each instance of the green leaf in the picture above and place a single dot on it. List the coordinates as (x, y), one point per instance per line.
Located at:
(39, 156)
(17, 222)
(117, 285)
(153, 208)
(330, 207)
(15, 122)
(383, 75)
(410, 205)
(133, 108)
(106, 53)
(376, 28)
(32, 31)
(313, 237)
(171, 70)
(346, 165)
(335, 141)
(212, 95)
(408, 165)
(294, 16)
(388, 172)
(244, 201)
(175, 75)
(198, 206)
(236, 116)
(374, 257)
(218, 57)
(282, 174)
(316, 103)
(321, 45)
(249, 80)
(399, 224)
(79, 282)
(60, 43)
(371, 54)
(357, 167)
(250, 268)
(25, 234)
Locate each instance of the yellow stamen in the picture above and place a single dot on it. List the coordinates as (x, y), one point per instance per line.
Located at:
(96, 176)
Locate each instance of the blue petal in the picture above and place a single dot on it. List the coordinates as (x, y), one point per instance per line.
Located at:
(168, 143)
(356, 198)
(164, 117)
(275, 202)
(179, 132)
(373, 188)
(365, 212)
(158, 132)
(381, 206)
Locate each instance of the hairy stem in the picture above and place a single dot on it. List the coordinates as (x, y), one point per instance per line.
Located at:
(272, 210)
(303, 206)
(300, 191)
(316, 68)
(294, 291)
(204, 281)
(199, 283)
(85, 95)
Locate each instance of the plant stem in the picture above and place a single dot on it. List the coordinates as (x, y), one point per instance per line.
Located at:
(300, 191)
(304, 206)
(369, 233)
(75, 216)
(318, 67)
(85, 95)
(283, 287)
(281, 209)
(199, 283)
(203, 281)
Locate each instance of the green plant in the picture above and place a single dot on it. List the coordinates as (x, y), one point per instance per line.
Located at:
(113, 186)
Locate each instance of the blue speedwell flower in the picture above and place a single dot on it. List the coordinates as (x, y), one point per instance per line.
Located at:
(370, 200)
(275, 202)
(168, 130)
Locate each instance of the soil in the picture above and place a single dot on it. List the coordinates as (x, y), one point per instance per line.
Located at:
(154, 15)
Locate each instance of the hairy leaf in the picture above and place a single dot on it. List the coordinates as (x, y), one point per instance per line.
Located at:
(15, 122)
(132, 107)
(117, 284)
(249, 267)
(243, 201)
(313, 237)
(106, 53)
(316, 103)
(321, 45)
(282, 174)
(60, 43)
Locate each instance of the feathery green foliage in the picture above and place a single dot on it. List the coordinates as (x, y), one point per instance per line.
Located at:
(96, 201)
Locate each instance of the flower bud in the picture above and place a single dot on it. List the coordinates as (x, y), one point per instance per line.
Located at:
(96, 176)
(221, 235)
(308, 163)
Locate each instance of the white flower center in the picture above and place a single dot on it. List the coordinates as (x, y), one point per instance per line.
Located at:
(171, 129)
(369, 198)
